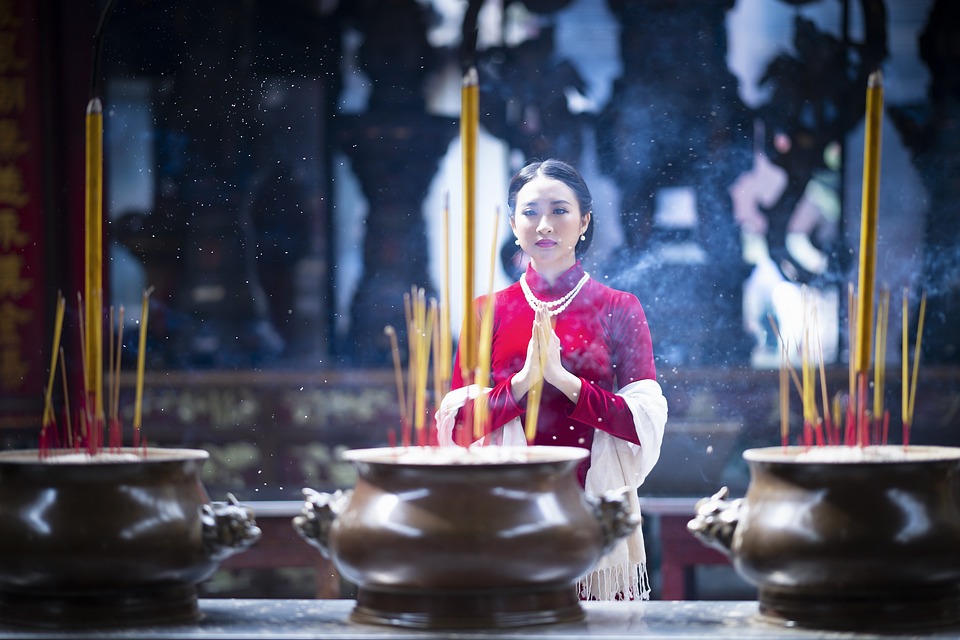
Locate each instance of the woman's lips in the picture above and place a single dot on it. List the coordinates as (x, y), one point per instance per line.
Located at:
(546, 243)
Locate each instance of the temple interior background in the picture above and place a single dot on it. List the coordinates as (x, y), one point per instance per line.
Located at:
(278, 172)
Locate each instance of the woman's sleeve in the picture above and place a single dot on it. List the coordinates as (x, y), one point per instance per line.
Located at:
(632, 358)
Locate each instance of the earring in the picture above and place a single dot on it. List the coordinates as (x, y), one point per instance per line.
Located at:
(516, 241)
(583, 238)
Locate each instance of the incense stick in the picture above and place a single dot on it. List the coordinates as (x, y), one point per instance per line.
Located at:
(880, 360)
(446, 344)
(48, 413)
(469, 129)
(438, 384)
(116, 435)
(905, 369)
(868, 219)
(916, 356)
(94, 255)
(66, 400)
(141, 364)
(784, 398)
(486, 338)
(536, 388)
(422, 330)
(397, 373)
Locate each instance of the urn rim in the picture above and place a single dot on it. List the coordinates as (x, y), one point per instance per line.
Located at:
(494, 456)
(123, 455)
(847, 454)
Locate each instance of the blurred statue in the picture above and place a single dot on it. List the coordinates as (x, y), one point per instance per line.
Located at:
(395, 147)
(931, 131)
(675, 119)
(816, 100)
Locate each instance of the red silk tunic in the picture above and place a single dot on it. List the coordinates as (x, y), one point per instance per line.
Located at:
(605, 342)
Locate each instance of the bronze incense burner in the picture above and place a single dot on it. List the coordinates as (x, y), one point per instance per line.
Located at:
(433, 539)
(121, 538)
(834, 542)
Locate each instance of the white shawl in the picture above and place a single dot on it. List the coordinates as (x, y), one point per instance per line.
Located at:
(614, 464)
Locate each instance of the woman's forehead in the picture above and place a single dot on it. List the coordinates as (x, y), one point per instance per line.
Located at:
(544, 188)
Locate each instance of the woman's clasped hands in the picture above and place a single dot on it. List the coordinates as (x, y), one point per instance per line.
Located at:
(543, 362)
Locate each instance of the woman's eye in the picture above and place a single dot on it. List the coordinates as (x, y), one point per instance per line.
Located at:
(528, 212)
(559, 211)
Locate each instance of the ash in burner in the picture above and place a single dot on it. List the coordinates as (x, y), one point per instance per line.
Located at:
(442, 456)
(83, 458)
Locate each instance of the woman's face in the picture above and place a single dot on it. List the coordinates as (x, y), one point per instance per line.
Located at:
(548, 223)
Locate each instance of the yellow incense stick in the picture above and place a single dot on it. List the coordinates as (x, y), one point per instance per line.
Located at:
(66, 398)
(880, 355)
(784, 397)
(469, 131)
(916, 355)
(57, 329)
(411, 355)
(438, 384)
(536, 388)
(141, 360)
(115, 377)
(397, 369)
(446, 344)
(424, 330)
(94, 255)
(824, 396)
(904, 362)
(851, 331)
(486, 338)
(868, 219)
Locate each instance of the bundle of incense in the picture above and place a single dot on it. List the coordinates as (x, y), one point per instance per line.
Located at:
(423, 331)
(401, 395)
(88, 433)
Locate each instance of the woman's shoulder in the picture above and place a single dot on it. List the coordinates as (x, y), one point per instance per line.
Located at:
(608, 295)
(507, 294)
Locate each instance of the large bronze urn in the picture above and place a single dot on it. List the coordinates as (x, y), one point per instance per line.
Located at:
(845, 537)
(455, 538)
(114, 539)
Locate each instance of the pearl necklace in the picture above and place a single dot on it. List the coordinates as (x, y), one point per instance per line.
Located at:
(552, 307)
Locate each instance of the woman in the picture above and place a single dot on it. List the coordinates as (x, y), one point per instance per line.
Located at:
(600, 391)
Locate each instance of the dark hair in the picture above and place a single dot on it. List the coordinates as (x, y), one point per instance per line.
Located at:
(565, 173)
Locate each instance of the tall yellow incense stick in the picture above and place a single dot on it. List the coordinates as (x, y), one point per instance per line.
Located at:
(94, 257)
(868, 244)
(444, 353)
(868, 220)
(469, 131)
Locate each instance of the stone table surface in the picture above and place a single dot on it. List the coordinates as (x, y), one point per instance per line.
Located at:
(281, 619)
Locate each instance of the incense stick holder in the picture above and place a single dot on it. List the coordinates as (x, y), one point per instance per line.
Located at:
(435, 540)
(117, 539)
(832, 542)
